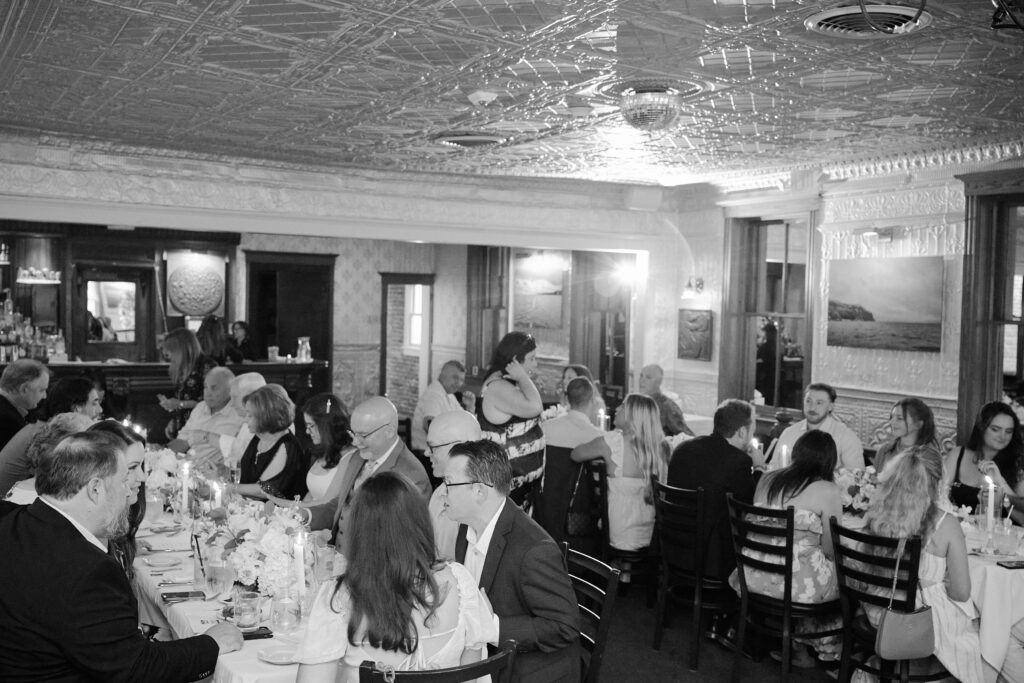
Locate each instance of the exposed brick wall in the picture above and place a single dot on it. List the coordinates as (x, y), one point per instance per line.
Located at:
(403, 370)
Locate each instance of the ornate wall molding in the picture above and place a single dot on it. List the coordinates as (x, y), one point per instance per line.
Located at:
(943, 158)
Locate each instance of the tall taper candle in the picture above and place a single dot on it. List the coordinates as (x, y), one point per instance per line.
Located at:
(300, 565)
(990, 518)
(184, 489)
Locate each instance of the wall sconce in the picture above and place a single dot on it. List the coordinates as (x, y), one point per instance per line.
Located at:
(694, 286)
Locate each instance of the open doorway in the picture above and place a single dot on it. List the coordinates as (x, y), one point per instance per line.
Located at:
(405, 336)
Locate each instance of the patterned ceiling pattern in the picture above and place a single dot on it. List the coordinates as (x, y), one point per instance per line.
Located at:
(372, 83)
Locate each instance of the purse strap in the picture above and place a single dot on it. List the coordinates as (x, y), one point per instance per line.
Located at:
(900, 547)
(576, 486)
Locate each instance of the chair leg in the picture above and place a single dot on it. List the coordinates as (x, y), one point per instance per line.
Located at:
(659, 614)
(846, 659)
(695, 633)
(741, 634)
(904, 670)
(787, 647)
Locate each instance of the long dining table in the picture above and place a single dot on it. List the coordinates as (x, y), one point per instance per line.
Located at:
(171, 562)
(998, 593)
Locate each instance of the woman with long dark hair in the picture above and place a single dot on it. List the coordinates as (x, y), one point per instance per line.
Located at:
(395, 603)
(510, 413)
(213, 340)
(913, 426)
(805, 485)
(995, 449)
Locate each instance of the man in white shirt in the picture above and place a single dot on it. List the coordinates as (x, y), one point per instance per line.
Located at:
(438, 398)
(518, 565)
(447, 430)
(242, 386)
(819, 398)
(561, 435)
(213, 424)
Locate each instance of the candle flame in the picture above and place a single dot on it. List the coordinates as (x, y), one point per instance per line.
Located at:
(988, 480)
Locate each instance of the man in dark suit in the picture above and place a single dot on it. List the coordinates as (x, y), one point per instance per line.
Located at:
(375, 433)
(22, 386)
(515, 562)
(67, 611)
(721, 462)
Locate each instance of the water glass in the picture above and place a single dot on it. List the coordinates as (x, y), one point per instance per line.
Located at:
(285, 615)
(154, 506)
(220, 576)
(247, 611)
(1005, 542)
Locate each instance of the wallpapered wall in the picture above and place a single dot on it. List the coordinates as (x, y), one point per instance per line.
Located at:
(356, 356)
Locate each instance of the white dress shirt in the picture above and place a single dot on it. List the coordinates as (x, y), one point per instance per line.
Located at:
(848, 446)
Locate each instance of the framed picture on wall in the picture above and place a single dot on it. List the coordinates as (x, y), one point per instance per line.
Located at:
(886, 303)
(695, 326)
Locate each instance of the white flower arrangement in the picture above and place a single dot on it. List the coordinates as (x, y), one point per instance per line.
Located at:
(162, 466)
(550, 413)
(857, 487)
(260, 549)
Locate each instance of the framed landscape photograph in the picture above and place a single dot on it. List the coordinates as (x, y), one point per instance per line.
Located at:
(886, 303)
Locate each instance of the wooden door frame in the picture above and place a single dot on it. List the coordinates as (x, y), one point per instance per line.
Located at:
(386, 280)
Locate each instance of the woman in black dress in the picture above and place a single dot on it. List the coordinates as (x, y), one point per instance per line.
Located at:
(274, 464)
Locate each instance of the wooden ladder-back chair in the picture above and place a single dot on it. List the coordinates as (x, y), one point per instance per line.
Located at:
(753, 531)
(595, 585)
(864, 567)
(498, 667)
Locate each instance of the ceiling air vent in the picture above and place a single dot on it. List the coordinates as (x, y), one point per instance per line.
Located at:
(849, 22)
(468, 140)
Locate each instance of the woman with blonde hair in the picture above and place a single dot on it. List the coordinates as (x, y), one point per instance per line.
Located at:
(906, 504)
(188, 367)
(635, 452)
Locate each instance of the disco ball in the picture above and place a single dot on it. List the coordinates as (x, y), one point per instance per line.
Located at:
(650, 110)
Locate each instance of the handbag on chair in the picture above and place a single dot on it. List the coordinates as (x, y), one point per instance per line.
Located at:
(904, 635)
(578, 523)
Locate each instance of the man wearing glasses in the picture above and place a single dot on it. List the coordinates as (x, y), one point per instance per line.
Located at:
(515, 562)
(375, 433)
(446, 430)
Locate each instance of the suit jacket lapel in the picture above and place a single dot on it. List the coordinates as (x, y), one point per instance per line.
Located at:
(355, 463)
(497, 546)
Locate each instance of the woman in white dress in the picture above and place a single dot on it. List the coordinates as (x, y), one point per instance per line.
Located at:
(906, 504)
(634, 453)
(396, 603)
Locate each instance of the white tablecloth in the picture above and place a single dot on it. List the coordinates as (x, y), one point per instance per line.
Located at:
(187, 619)
(999, 594)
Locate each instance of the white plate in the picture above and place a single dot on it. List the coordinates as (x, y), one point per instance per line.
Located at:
(162, 561)
(165, 528)
(277, 655)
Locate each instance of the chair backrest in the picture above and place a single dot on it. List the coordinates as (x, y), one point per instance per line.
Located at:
(498, 667)
(762, 539)
(595, 584)
(587, 518)
(679, 515)
(405, 431)
(865, 565)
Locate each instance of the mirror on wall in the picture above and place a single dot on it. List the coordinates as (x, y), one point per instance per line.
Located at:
(110, 307)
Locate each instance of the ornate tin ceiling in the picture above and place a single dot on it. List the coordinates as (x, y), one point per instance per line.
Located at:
(373, 83)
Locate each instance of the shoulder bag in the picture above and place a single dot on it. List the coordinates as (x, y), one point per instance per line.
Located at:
(904, 635)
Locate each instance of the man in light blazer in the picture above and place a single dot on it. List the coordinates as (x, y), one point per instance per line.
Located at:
(516, 564)
(374, 432)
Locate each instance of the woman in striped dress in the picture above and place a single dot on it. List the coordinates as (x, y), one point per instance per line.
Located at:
(906, 504)
(511, 410)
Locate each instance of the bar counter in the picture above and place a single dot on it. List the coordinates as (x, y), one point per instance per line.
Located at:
(132, 388)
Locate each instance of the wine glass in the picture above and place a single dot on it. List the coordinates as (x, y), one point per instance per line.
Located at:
(285, 615)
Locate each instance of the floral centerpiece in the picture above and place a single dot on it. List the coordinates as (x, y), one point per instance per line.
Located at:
(260, 548)
(857, 486)
(162, 468)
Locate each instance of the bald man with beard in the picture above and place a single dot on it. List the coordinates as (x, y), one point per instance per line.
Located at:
(446, 430)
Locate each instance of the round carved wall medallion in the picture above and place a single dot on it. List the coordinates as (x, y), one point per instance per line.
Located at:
(195, 290)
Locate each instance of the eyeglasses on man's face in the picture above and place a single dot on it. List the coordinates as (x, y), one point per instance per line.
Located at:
(453, 484)
(431, 447)
(363, 436)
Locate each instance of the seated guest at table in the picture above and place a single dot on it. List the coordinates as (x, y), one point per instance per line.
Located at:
(66, 607)
(516, 564)
(375, 433)
(187, 368)
(571, 372)
(213, 340)
(396, 603)
(819, 400)
(241, 342)
(805, 485)
(994, 448)
(274, 464)
(510, 413)
(672, 420)
(907, 503)
(913, 426)
(44, 440)
(722, 462)
(634, 453)
(447, 430)
(212, 425)
(67, 395)
(242, 386)
(22, 386)
(438, 398)
(562, 434)
(327, 424)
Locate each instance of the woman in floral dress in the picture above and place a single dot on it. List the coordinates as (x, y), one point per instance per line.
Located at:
(807, 486)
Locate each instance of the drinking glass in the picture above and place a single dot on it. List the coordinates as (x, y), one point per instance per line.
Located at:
(1005, 542)
(247, 611)
(220, 577)
(154, 506)
(285, 615)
